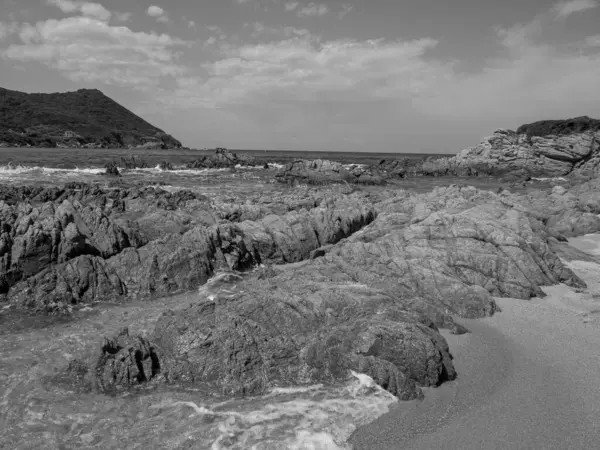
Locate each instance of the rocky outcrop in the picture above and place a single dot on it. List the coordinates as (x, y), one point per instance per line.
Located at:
(183, 262)
(283, 331)
(223, 158)
(35, 238)
(372, 302)
(541, 149)
(323, 172)
(41, 245)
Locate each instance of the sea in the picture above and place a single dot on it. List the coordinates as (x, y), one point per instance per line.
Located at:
(38, 414)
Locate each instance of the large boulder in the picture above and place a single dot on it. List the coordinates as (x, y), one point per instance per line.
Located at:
(288, 330)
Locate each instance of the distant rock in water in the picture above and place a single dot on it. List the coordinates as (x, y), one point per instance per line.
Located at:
(83, 119)
(112, 169)
(323, 172)
(223, 158)
(550, 148)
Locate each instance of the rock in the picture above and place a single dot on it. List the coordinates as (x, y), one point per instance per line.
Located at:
(371, 302)
(36, 238)
(183, 262)
(112, 169)
(222, 158)
(541, 149)
(237, 345)
(165, 165)
(323, 172)
(84, 279)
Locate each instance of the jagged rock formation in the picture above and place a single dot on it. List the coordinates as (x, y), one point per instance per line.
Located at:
(223, 158)
(541, 149)
(372, 300)
(85, 118)
(62, 252)
(323, 172)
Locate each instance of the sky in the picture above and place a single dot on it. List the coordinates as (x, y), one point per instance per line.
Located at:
(415, 76)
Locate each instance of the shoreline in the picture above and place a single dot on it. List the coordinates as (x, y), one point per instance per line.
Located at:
(527, 378)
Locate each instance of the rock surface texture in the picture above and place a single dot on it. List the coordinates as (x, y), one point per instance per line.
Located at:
(323, 172)
(374, 278)
(541, 149)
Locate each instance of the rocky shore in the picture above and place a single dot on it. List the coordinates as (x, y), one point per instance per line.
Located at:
(376, 274)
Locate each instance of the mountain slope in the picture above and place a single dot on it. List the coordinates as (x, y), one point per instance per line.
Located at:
(85, 118)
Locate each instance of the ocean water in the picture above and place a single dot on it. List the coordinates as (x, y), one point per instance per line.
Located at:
(38, 414)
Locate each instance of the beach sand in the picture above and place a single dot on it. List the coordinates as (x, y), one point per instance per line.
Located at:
(529, 378)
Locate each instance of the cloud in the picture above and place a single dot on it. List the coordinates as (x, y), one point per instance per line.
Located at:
(592, 41)
(313, 9)
(155, 11)
(191, 24)
(85, 49)
(346, 9)
(566, 8)
(7, 29)
(158, 13)
(88, 9)
(535, 78)
(291, 6)
(302, 68)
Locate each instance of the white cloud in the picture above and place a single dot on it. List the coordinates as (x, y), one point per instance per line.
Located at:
(568, 7)
(158, 13)
(535, 79)
(155, 11)
(210, 41)
(191, 24)
(302, 68)
(291, 6)
(90, 50)
(88, 9)
(313, 9)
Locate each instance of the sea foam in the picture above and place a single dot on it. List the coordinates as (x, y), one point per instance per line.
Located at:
(303, 418)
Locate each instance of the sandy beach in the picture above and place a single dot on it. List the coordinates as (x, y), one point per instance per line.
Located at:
(528, 378)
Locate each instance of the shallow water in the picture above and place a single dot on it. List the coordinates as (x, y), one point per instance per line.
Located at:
(36, 412)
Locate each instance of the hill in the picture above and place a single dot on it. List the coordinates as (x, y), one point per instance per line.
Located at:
(84, 118)
(560, 127)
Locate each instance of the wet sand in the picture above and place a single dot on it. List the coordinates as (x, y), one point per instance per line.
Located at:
(528, 379)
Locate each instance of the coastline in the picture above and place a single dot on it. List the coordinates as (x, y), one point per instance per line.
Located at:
(527, 378)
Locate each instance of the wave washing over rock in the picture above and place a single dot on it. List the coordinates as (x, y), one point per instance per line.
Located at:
(237, 319)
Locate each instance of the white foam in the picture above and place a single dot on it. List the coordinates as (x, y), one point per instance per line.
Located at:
(14, 170)
(294, 389)
(306, 417)
(549, 179)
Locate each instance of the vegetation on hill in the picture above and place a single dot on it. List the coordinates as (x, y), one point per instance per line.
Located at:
(560, 127)
(85, 118)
